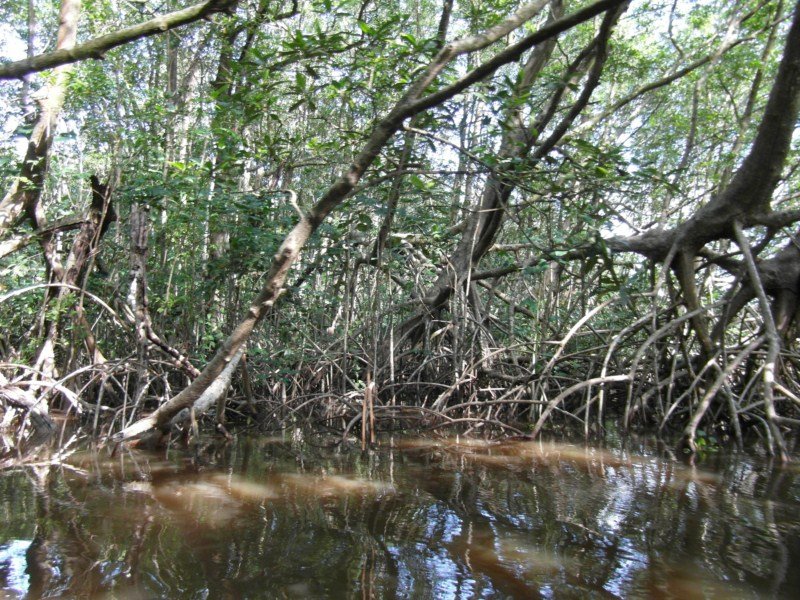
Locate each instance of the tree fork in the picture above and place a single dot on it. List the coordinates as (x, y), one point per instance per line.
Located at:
(411, 103)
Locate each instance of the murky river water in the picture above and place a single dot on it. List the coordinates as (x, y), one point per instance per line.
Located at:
(415, 518)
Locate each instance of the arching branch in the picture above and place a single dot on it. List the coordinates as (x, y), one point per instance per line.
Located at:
(97, 47)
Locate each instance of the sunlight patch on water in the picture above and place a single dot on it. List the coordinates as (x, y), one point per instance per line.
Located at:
(334, 486)
(245, 489)
(202, 501)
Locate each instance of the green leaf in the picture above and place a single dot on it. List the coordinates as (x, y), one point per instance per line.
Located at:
(365, 28)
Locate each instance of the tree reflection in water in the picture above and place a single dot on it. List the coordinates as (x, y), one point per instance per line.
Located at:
(413, 518)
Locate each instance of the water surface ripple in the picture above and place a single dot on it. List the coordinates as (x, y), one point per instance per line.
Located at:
(414, 518)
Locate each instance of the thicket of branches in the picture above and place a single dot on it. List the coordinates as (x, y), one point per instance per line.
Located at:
(429, 214)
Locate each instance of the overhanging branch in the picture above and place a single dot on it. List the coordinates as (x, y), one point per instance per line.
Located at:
(97, 47)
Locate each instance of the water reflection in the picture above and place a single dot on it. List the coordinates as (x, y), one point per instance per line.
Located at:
(12, 566)
(416, 518)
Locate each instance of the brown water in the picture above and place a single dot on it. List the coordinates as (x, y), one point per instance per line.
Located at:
(415, 518)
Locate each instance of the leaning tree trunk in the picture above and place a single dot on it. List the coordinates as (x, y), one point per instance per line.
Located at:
(69, 277)
(744, 202)
(413, 102)
(23, 197)
(519, 139)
